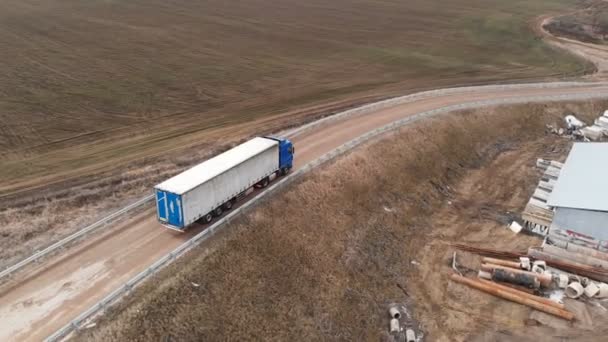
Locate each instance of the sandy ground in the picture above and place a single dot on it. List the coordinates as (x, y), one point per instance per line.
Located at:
(133, 245)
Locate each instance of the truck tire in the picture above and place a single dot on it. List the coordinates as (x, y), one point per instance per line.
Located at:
(285, 171)
(264, 183)
(218, 211)
(228, 205)
(206, 219)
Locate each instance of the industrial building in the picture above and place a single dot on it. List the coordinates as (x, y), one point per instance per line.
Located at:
(580, 197)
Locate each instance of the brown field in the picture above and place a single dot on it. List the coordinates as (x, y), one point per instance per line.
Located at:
(91, 86)
(322, 260)
(588, 25)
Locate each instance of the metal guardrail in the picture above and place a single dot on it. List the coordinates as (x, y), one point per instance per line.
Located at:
(292, 133)
(204, 235)
(429, 94)
(82, 232)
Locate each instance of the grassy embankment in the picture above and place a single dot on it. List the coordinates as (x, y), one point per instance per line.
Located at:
(321, 260)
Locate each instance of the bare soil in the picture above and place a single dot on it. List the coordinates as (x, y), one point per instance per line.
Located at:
(583, 32)
(324, 258)
(589, 25)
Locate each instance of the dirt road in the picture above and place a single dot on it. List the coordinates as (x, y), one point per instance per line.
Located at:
(47, 298)
(595, 53)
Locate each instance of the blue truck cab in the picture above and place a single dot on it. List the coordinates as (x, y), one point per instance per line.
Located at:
(286, 153)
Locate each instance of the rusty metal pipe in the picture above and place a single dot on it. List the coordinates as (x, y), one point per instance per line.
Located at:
(575, 256)
(514, 297)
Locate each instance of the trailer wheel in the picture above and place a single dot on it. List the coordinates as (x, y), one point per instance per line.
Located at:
(207, 218)
(218, 211)
(228, 205)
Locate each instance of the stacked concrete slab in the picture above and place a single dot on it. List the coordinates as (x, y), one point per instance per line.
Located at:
(538, 215)
(598, 130)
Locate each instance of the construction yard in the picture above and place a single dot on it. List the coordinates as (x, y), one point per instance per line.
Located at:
(373, 228)
(101, 100)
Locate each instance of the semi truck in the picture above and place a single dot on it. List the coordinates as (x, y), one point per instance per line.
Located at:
(212, 187)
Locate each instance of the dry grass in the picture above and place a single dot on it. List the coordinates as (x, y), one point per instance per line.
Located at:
(93, 85)
(588, 25)
(321, 260)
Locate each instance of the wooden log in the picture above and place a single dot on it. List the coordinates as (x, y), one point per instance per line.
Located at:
(501, 262)
(514, 297)
(525, 294)
(544, 279)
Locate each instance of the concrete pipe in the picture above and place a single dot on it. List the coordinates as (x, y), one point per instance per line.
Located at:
(603, 290)
(394, 325)
(484, 275)
(573, 247)
(540, 264)
(394, 312)
(410, 335)
(591, 290)
(537, 269)
(562, 281)
(524, 263)
(575, 256)
(574, 290)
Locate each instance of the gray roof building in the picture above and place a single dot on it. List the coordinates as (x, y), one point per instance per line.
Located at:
(580, 195)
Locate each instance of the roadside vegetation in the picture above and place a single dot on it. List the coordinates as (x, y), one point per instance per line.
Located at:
(322, 259)
(588, 25)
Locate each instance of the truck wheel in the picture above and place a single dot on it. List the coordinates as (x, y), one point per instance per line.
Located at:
(218, 211)
(207, 218)
(228, 205)
(265, 182)
(285, 171)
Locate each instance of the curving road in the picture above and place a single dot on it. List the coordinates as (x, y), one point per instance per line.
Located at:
(46, 298)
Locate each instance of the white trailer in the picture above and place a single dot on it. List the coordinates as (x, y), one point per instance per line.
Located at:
(204, 191)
